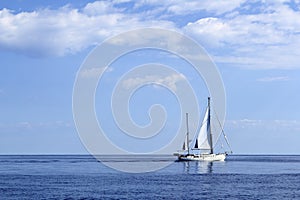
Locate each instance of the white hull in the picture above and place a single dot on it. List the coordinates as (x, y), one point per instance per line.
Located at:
(202, 157)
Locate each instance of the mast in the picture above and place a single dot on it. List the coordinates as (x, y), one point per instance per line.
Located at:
(187, 133)
(209, 128)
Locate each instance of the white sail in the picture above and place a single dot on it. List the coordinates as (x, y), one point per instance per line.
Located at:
(201, 140)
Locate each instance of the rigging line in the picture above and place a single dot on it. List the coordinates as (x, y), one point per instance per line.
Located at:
(223, 131)
(214, 127)
(219, 149)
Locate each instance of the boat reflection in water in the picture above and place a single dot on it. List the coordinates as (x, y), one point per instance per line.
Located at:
(197, 167)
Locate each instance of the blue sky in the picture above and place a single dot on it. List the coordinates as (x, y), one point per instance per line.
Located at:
(254, 45)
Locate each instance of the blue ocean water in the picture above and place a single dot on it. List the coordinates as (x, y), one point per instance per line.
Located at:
(83, 177)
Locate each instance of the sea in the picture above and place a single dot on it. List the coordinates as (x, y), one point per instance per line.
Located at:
(84, 177)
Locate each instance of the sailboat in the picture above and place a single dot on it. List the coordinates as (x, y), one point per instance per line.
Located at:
(201, 147)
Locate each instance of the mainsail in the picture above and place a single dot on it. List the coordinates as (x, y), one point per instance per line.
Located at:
(203, 140)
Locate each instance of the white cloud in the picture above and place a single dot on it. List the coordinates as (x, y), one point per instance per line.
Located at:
(182, 7)
(97, 7)
(268, 125)
(24, 125)
(65, 30)
(267, 39)
(94, 72)
(20, 127)
(254, 35)
(274, 78)
(168, 81)
(211, 30)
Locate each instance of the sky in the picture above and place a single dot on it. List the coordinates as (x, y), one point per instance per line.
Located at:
(254, 44)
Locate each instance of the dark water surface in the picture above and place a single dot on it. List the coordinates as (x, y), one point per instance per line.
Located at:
(83, 177)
